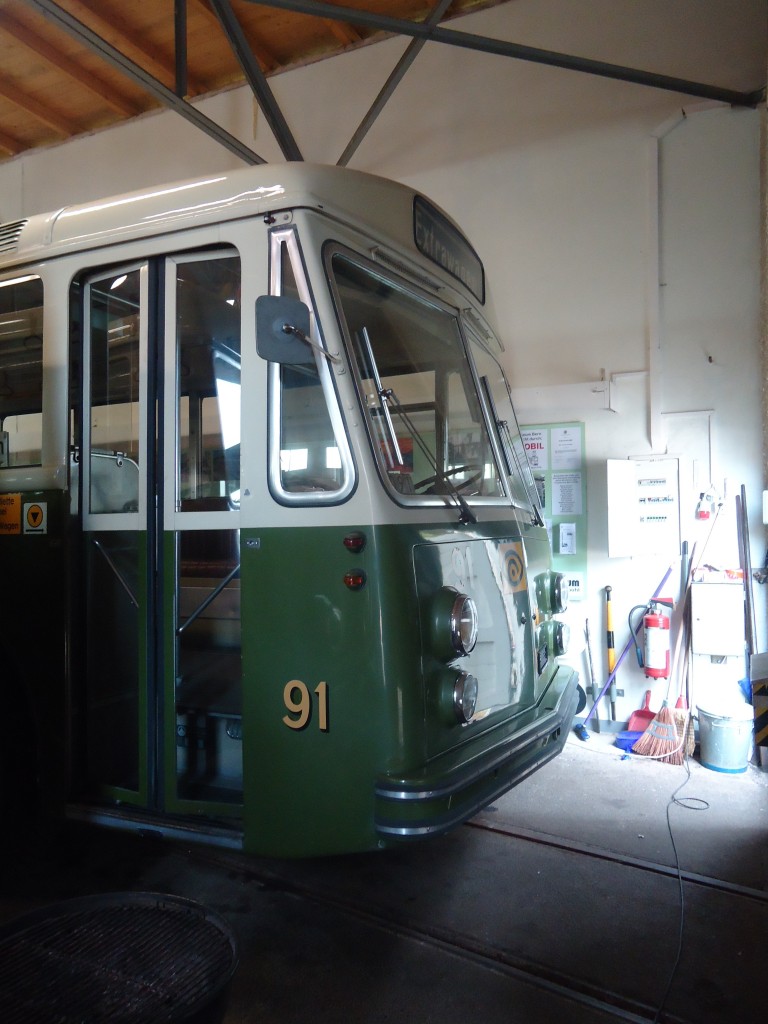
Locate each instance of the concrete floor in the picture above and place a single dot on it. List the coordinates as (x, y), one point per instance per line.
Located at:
(522, 917)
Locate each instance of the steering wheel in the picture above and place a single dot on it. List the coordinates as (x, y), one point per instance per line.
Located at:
(449, 473)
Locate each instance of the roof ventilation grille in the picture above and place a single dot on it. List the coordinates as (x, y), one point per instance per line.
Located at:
(9, 235)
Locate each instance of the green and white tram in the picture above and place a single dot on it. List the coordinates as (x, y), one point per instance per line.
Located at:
(274, 572)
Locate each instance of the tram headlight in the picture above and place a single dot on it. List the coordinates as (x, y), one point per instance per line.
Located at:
(454, 624)
(556, 636)
(551, 592)
(463, 624)
(465, 697)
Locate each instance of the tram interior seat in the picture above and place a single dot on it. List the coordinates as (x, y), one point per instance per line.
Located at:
(114, 482)
(402, 482)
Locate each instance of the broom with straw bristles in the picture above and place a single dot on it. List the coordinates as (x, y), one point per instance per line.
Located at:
(665, 739)
(661, 740)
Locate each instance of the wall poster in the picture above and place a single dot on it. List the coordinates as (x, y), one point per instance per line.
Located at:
(556, 454)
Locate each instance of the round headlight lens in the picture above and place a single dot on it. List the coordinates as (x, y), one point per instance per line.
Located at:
(465, 697)
(555, 636)
(463, 624)
(551, 592)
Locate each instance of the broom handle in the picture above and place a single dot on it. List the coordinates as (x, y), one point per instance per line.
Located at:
(630, 643)
(683, 630)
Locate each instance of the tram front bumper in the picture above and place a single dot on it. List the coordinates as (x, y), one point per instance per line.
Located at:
(448, 794)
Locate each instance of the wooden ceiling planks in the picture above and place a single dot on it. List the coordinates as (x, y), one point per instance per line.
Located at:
(53, 87)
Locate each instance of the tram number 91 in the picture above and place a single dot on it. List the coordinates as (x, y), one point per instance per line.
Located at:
(298, 700)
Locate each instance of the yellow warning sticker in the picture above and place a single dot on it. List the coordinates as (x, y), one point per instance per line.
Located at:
(10, 514)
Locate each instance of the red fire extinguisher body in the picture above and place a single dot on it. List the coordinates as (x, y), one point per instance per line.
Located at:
(656, 648)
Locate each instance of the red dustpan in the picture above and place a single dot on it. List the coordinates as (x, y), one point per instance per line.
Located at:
(640, 720)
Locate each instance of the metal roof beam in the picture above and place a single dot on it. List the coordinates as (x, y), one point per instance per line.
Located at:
(265, 57)
(484, 44)
(410, 55)
(256, 79)
(119, 30)
(167, 97)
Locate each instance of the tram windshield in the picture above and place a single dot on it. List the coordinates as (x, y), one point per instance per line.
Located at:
(424, 413)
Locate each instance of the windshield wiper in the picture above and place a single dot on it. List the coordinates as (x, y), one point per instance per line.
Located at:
(386, 398)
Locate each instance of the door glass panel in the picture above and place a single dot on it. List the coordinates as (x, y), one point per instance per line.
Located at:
(208, 350)
(208, 688)
(113, 666)
(115, 380)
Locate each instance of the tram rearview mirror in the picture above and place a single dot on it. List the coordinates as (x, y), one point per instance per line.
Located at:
(280, 323)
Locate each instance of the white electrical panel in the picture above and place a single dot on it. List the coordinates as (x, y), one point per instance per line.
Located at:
(717, 619)
(643, 507)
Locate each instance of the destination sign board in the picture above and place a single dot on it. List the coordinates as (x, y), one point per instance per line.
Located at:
(441, 241)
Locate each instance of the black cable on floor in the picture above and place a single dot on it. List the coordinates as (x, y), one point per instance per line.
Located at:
(691, 803)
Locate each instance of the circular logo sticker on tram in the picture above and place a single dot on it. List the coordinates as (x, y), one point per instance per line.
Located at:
(513, 561)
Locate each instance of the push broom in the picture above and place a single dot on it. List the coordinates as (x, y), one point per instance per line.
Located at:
(661, 740)
(581, 730)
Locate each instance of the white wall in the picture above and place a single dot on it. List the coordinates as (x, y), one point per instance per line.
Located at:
(549, 172)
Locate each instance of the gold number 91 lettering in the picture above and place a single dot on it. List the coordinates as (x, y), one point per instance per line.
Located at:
(298, 701)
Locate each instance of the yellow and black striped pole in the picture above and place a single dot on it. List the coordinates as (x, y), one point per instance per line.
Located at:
(611, 645)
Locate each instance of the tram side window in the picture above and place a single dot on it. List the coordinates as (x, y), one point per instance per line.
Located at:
(310, 460)
(21, 372)
(208, 412)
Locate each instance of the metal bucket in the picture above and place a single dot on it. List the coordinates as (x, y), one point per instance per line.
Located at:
(122, 958)
(726, 739)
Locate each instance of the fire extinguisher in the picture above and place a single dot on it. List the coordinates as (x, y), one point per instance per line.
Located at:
(656, 625)
(654, 657)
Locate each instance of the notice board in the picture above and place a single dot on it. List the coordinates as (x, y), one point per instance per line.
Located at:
(556, 456)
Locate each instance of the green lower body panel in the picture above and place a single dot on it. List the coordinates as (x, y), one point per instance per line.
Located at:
(449, 794)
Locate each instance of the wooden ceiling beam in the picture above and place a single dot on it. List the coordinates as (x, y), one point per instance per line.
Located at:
(11, 145)
(58, 122)
(119, 33)
(343, 31)
(27, 37)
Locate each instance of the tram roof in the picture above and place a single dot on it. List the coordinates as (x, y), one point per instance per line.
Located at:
(355, 196)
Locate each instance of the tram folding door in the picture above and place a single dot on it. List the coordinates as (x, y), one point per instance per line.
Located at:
(115, 474)
(159, 720)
